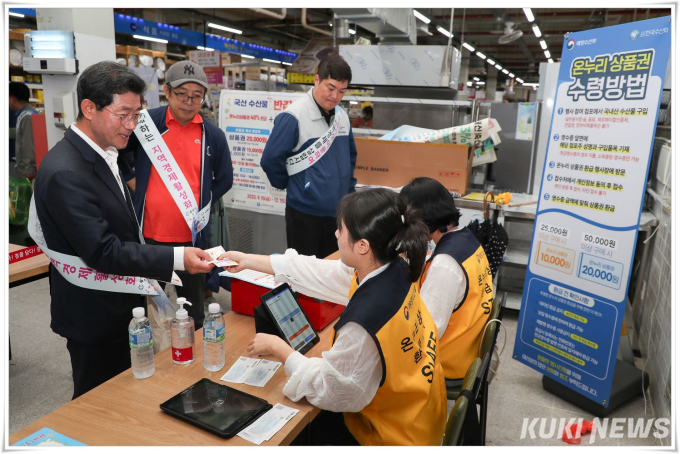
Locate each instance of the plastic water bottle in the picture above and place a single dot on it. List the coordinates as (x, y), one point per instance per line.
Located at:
(141, 345)
(182, 335)
(213, 339)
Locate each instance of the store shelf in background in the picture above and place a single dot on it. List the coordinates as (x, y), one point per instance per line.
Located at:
(130, 53)
(297, 78)
(18, 34)
(370, 132)
(513, 301)
(517, 253)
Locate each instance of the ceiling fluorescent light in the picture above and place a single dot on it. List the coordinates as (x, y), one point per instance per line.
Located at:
(204, 48)
(351, 32)
(16, 14)
(499, 67)
(537, 31)
(421, 17)
(286, 63)
(226, 29)
(547, 54)
(271, 61)
(511, 75)
(520, 80)
(543, 44)
(529, 14)
(444, 32)
(491, 62)
(468, 47)
(505, 71)
(47, 39)
(469, 84)
(155, 40)
(481, 55)
(46, 48)
(247, 56)
(550, 60)
(481, 83)
(476, 78)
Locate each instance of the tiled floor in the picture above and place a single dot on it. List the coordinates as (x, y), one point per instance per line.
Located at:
(516, 393)
(40, 379)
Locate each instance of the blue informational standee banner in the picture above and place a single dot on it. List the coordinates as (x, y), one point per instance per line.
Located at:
(600, 142)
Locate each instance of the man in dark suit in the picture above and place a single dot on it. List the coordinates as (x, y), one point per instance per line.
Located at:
(85, 211)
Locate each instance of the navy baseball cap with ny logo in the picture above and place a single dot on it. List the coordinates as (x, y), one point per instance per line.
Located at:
(186, 71)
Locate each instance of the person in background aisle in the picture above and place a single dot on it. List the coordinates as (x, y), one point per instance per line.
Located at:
(85, 211)
(456, 284)
(23, 148)
(12, 135)
(383, 370)
(311, 153)
(202, 154)
(365, 120)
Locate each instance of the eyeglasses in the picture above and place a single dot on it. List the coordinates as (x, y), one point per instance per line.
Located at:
(124, 118)
(183, 97)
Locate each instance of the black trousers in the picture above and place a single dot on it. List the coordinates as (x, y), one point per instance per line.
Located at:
(327, 429)
(193, 287)
(92, 365)
(310, 235)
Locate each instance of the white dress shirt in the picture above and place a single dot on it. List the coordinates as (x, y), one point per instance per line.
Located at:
(443, 290)
(110, 155)
(346, 377)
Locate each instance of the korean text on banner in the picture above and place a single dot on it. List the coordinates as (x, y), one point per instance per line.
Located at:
(600, 141)
(247, 117)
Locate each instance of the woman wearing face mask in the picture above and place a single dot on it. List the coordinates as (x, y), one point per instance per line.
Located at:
(381, 371)
(456, 284)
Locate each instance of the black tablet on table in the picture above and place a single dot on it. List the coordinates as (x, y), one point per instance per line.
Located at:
(289, 318)
(217, 408)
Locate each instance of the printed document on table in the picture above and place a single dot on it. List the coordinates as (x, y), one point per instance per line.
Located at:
(261, 373)
(268, 424)
(251, 371)
(254, 277)
(240, 370)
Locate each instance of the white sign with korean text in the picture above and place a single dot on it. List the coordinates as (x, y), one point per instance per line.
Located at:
(247, 118)
(206, 58)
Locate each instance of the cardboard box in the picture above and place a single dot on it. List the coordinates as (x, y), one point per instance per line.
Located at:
(228, 59)
(251, 73)
(123, 50)
(245, 296)
(394, 164)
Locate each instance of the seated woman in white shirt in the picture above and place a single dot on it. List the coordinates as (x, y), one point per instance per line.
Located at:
(456, 285)
(382, 371)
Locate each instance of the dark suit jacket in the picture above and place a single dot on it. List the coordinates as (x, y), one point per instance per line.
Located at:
(82, 212)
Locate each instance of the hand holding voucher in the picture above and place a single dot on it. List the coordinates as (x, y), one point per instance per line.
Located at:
(196, 260)
(238, 258)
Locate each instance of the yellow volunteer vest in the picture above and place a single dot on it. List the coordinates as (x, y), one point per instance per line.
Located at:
(409, 407)
(459, 345)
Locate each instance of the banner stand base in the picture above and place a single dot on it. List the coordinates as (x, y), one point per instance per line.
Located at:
(627, 383)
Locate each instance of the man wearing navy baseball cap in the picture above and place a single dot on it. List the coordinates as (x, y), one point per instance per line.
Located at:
(171, 200)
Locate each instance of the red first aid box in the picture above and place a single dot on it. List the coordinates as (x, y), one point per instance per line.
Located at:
(245, 296)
